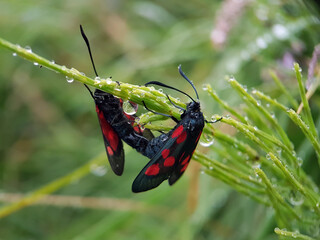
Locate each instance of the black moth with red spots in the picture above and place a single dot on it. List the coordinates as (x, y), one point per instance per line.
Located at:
(170, 153)
(177, 147)
(116, 125)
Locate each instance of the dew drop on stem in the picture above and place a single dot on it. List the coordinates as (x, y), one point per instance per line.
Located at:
(129, 108)
(69, 79)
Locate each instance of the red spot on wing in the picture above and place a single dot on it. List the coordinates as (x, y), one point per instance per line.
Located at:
(110, 151)
(177, 132)
(131, 119)
(198, 137)
(182, 137)
(152, 170)
(186, 160)
(181, 156)
(165, 153)
(169, 162)
(107, 130)
(184, 167)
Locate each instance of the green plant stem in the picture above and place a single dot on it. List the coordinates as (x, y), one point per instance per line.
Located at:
(306, 130)
(216, 169)
(306, 107)
(292, 235)
(224, 105)
(154, 99)
(284, 90)
(273, 193)
(296, 119)
(312, 197)
(270, 100)
(250, 100)
(251, 133)
(51, 187)
(233, 172)
(232, 141)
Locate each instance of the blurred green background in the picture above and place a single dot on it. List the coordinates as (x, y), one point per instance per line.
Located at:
(49, 128)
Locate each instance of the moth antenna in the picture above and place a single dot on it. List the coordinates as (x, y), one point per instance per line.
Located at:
(89, 90)
(164, 85)
(186, 78)
(89, 49)
(91, 58)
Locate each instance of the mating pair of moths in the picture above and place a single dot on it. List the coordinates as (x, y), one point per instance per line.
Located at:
(170, 153)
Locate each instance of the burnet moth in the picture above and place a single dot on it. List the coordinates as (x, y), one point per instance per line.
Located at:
(115, 124)
(177, 146)
(170, 153)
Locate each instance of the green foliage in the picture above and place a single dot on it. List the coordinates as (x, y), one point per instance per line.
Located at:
(265, 147)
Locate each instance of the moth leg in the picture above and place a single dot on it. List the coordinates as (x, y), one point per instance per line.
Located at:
(217, 120)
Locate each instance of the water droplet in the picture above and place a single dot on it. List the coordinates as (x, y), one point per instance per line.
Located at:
(206, 140)
(245, 88)
(231, 79)
(52, 62)
(35, 63)
(97, 80)
(256, 165)
(98, 170)
(160, 90)
(279, 151)
(255, 128)
(300, 161)
(205, 87)
(28, 49)
(108, 81)
(211, 168)
(14, 54)
(296, 198)
(129, 108)
(69, 79)
(268, 105)
(215, 118)
(82, 73)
